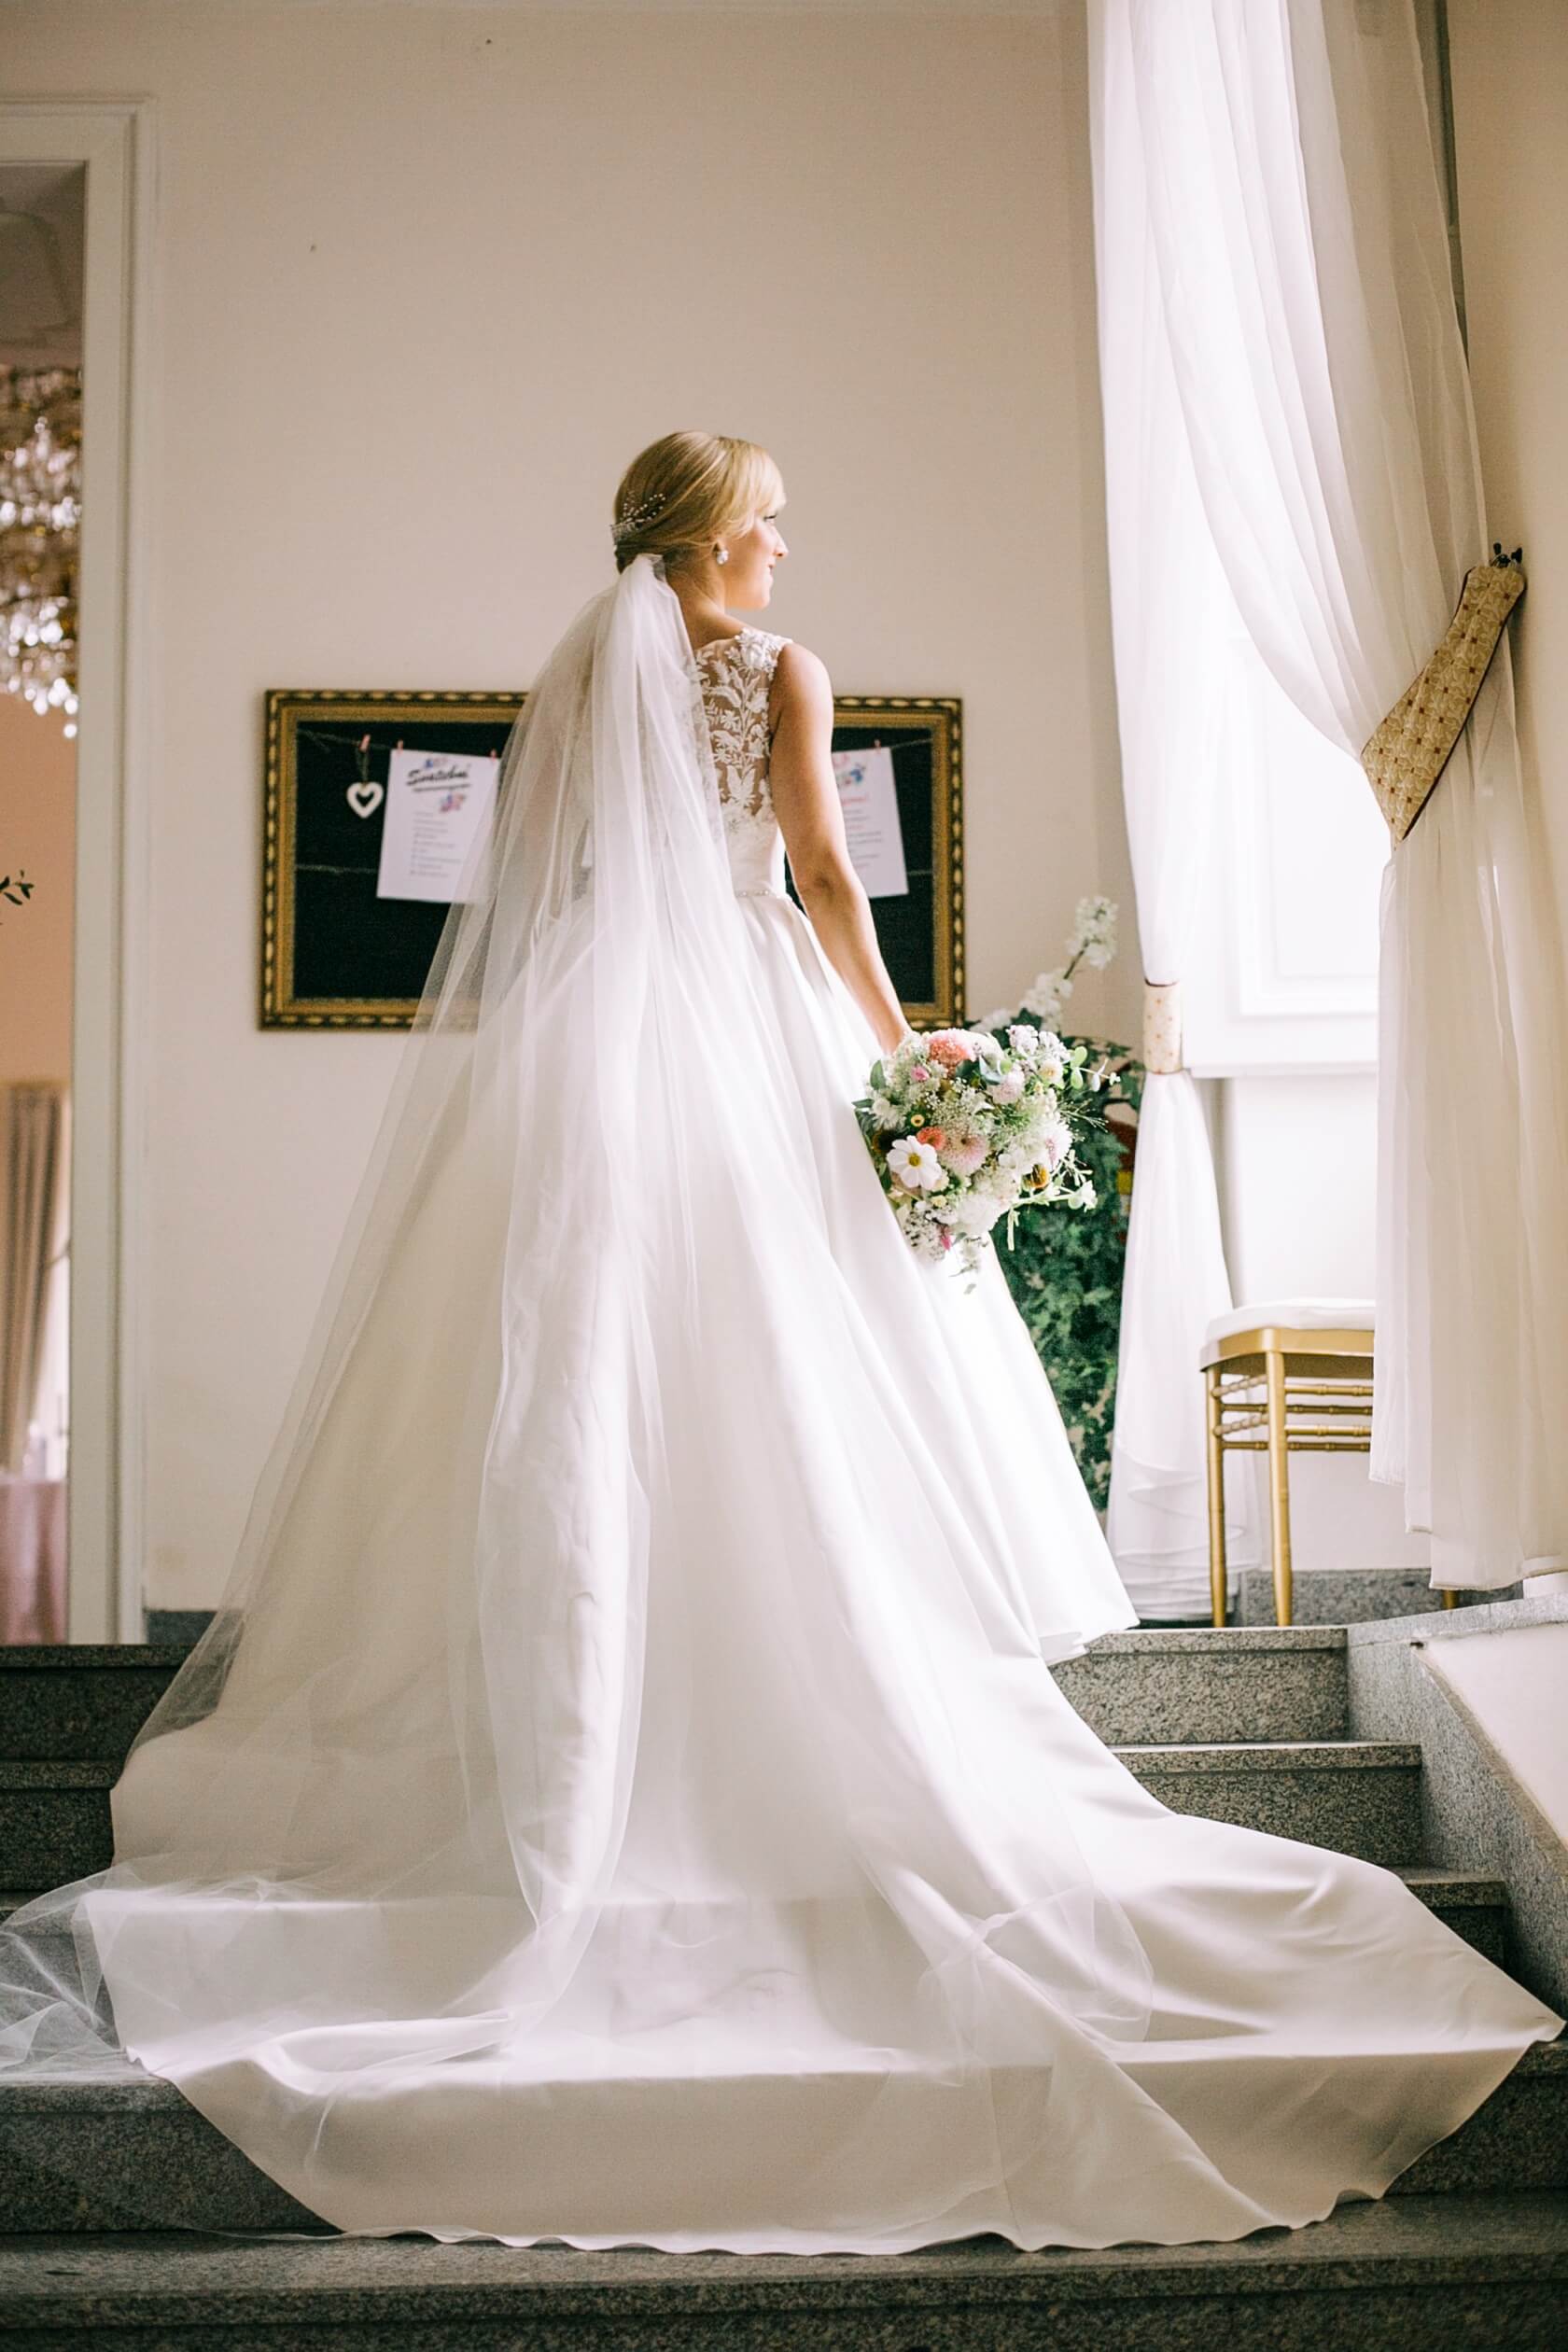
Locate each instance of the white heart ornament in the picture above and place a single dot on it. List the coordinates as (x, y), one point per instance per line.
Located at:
(365, 798)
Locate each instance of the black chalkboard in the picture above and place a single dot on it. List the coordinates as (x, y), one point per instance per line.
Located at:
(335, 955)
(920, 934)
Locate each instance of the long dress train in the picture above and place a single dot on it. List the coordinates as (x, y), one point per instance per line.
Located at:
(743, 1879)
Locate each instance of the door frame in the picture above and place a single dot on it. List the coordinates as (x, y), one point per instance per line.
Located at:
(115, 140)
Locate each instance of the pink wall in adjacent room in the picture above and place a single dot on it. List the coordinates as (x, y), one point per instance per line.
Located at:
(37, 837)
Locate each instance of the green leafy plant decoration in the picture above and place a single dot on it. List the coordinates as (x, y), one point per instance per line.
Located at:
(1065, 1272)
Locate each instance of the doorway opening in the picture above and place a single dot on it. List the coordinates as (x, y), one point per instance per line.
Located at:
(76, 246)
(42, 251)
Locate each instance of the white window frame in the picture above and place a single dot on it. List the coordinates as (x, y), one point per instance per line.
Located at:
(1245, 1012)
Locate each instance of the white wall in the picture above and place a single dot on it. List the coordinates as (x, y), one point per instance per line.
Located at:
(1296, 1162)
(1296, 1158)
(428, 278)
(1509, 1680)
(1509, 67)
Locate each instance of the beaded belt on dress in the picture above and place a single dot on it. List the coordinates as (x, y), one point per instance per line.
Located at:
(758, 890)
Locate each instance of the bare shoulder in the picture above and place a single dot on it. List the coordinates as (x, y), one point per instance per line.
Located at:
(801, 684)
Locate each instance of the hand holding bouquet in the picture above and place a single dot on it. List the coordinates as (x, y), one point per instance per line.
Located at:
(964, 1130)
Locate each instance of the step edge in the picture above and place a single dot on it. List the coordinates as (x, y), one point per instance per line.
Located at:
(1274, 1755)
(1476, 1886)
(1207, 1641)
(90, 1657)
(1439, 2240)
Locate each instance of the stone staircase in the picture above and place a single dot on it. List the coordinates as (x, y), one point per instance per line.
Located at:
(1243, 1725)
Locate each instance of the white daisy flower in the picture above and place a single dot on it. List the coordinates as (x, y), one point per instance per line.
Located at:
(916, 1166)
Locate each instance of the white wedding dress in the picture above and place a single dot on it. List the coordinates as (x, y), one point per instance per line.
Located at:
(718, 1865)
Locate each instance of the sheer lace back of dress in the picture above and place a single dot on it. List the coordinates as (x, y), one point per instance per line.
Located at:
(736, 674)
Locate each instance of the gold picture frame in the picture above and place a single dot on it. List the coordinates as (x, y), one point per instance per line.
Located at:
(315, 907)
(921, 936)
(333, 955)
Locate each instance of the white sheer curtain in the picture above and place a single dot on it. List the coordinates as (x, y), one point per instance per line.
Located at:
(1306, 320)
(1168, 599)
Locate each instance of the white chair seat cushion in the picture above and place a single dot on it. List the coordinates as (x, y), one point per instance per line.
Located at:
(1294, 1314)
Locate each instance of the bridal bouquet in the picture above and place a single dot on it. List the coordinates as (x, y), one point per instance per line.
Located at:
(966, 1128)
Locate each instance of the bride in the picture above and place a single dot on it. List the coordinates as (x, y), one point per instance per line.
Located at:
(623, 1797)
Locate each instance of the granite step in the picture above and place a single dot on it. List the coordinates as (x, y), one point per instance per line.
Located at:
(1472, 1902)
(1347, 1596)
(1395, 2276)
(54, 1821)
(1472, 2274)
(128, 2152)
(1177, 1685)
(81, 1701)
(1358, 1796)
(85, 1702)
(1515, 2140)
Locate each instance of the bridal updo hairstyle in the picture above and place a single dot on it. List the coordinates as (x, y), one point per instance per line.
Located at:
(682, 493)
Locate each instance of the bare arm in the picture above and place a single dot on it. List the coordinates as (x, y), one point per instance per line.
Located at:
(805, 802)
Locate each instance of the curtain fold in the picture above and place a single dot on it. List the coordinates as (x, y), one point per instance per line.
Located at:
(1304, 322)
(33, 1211)
(1169, 604)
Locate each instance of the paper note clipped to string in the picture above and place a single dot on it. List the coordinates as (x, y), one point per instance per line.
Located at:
(439, 806)
(869, 799)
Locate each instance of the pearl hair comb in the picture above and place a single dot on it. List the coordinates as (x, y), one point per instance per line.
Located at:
(637, 518)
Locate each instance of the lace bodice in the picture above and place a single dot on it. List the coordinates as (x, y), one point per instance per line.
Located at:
(735, 675)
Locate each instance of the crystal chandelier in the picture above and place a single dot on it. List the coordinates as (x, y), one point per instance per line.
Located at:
(40, 525)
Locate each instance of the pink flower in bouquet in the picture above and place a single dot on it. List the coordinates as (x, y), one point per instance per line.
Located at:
(934, 1136)
(949, 1047)
(964, 1152)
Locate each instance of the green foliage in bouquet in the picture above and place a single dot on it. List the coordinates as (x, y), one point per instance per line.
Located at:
(1065, 1272)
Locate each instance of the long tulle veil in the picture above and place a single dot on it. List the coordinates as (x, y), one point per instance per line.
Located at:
(374, 1820)
(546, 1099)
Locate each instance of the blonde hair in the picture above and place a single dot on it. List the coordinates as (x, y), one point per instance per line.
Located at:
(686, 491)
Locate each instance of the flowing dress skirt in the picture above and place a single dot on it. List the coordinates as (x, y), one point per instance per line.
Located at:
(853, 1935)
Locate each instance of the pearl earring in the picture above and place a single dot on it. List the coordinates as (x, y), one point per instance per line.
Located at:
(720, 554)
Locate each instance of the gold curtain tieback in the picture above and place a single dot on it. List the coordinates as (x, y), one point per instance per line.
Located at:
(1162, 1027)
(1407, 753)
